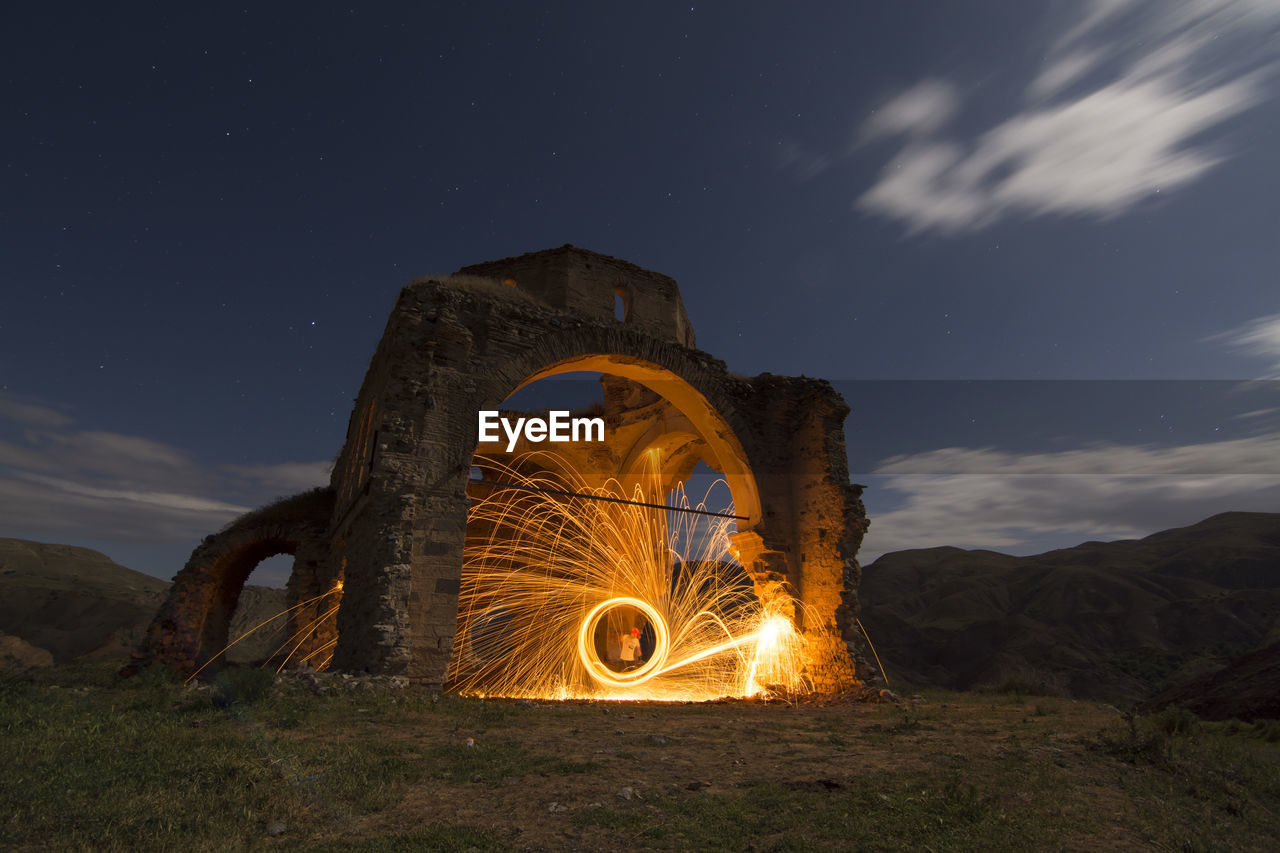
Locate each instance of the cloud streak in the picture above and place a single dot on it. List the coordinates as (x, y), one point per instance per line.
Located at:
(31, 414)
(1118, 113)
(89, 484)
(922, 109)
(986, 498)
(1259, 337)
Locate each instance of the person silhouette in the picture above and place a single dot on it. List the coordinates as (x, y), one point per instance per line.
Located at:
(631, 649)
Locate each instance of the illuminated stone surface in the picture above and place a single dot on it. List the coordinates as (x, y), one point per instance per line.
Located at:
(392, 524)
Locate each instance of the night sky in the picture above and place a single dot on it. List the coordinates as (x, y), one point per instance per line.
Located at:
(1034, 244)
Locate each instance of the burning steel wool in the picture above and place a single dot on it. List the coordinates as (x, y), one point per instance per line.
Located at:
(565, 595)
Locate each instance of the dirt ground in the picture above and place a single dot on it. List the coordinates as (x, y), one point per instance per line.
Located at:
(256, 761)
(647, 760)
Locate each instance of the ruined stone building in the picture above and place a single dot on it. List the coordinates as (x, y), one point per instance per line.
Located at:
(390, 527)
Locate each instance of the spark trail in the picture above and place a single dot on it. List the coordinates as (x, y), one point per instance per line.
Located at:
(553, 577)
(317, 658)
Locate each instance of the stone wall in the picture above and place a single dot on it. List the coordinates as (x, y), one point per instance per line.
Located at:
(590, 285)
(460, 344)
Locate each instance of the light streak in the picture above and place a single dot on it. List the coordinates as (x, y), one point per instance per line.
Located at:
(874, 652)
(598, 669)
(552, 575)
(300, 635)
(564, 494)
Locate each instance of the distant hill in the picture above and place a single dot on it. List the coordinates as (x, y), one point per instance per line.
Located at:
(74, 601)
(1108, 620)
(1118, 621)
(1246, 689)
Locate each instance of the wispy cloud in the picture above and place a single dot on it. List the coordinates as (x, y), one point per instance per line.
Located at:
(288, 477)
(31, 414)
(986, 498)
(62, 481)
(1259, 337)
(1061, 72)
(804, 164)
(163, 500)
(923, 109)
(1118, 113)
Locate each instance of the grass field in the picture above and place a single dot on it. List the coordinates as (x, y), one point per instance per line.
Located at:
(90, 762)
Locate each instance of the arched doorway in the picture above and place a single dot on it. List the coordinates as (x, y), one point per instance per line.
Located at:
(589, 572)
(192, 630)
(700, 419)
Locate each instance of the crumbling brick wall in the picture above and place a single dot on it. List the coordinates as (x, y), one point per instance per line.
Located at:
(460, 344)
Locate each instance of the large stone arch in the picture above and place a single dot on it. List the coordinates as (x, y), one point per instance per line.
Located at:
(191, 628)
(707, 418)
(458, 345)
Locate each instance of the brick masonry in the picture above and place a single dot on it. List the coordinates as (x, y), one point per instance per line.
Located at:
(392, 524)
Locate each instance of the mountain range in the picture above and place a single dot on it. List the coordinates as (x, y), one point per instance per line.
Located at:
(1153, 620)
(1116, 621)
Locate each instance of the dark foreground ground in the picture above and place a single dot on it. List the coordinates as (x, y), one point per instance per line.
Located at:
(90, 762)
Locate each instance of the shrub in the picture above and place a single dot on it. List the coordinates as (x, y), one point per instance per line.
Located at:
(1176, 721)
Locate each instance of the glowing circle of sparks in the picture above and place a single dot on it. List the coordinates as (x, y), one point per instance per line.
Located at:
(602, 673)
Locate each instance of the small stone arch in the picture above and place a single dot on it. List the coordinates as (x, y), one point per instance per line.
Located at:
(191, 628)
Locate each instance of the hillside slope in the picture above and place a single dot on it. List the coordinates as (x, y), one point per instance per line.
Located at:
(75, 601)
(1246, 689)
(1119, 621)
(1106, 620)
